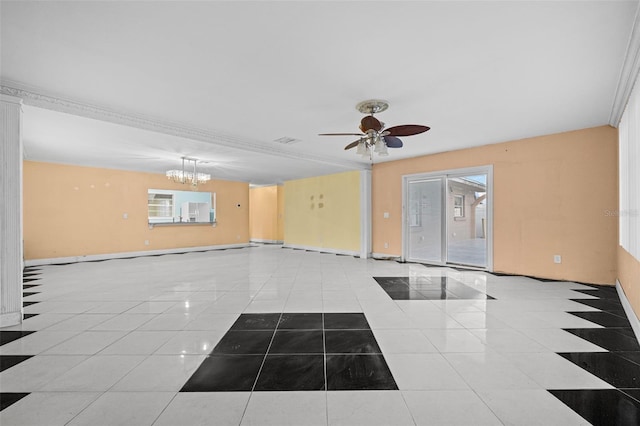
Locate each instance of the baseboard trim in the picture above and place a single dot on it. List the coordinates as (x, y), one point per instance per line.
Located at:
(384, 256)
(109, 256)
(322, 250)
(631, 315)
(262, 241)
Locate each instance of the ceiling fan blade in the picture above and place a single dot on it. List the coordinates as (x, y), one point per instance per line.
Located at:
(352, 144)
(407, 130)
(370, 123)
(392, 142)
(340, 134)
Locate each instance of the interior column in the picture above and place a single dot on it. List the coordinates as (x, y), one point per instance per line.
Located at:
(11, 263)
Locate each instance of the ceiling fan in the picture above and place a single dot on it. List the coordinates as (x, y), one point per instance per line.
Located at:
(374, 135)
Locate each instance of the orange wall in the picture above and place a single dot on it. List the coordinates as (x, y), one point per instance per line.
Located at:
(78, 211)
(550, 197)
(264, 217)
(280, 230)
(629, 277)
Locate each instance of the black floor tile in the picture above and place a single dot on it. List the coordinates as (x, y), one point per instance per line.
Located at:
(27, 286)
(607, 338)
(606, 305)
(392, 280)
(9, 398)
(10, 336)
(297, 342)
(8, 361)
(312, 321)
(244, 342)
(604, 319)
(395, 287)
(350, 341)
(428, 288)
(292, 373)
(359, 372)
(225, 373)
(256, 322)
(634, 393)
(608, 366)
(346, 321)
(627, 331)
(407, 295)
(602, 406)
(631, 356)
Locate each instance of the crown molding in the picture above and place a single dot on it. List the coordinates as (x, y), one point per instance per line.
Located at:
(628, 74)
(41, 99)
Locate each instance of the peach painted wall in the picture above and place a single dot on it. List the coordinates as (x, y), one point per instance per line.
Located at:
(280, 230)
(629, 277)
(78, 211)
(323, 212)
(550, 197)
(264, 216)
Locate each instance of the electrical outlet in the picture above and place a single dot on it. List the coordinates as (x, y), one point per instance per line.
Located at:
(146, 242)
(386, 245)
(385, 215)
(557, 258)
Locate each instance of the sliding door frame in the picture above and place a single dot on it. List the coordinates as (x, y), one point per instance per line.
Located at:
(445, 174)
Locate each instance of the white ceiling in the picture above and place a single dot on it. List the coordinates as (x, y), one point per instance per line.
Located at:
(220, 81)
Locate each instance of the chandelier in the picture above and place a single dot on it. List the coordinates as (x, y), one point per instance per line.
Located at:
(184, 176)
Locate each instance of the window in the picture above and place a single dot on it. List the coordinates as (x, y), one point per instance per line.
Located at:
(458, 206)
(160, 206)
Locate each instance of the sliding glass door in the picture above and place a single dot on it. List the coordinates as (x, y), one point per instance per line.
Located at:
(447, 218)
(425, 220)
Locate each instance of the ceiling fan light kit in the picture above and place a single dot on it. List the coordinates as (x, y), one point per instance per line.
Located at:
(183, 176)
(374, 136)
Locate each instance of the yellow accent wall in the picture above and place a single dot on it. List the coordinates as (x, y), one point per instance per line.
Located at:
(551, 195)
(78, 211)
(265, 213)
(323, 212)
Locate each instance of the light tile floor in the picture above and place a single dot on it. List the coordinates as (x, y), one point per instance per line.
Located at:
(115, 341)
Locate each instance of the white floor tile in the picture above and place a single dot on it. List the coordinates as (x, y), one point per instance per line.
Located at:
(508, 340)
(97, 373)
(31, 375)
(204, 409)
(133, 408)
(139, 343)
(403, 342)
(124, 322)
(286, 409)
(530, 407)
(166, 322)
(454, 340)
(80, 322)
(211, 322)
(86, 343)
(51, 408)
(551, 371)
(191, 342)
(39, 322)
(489, 370)
(423, 371)
(160, 373)
(561, 341)
(36, 343)
(367, 408)
(449, 407)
